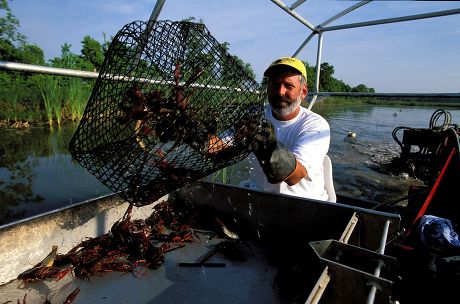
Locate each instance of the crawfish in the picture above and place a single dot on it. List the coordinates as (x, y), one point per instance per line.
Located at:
(41, 270)
(71, 297)
(62, 273)
(101, 241)
(104, 264)
(174, 121)
(39, 273)
(85, 260)
(181, 234)
(181, 100)
(132, 235)
(121, 227)
(137, 110)
(118, 266)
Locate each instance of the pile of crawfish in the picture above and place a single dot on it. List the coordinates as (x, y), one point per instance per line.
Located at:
(129, 244)
(168, 116)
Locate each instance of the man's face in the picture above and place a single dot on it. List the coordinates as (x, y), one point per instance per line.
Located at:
(285, 92)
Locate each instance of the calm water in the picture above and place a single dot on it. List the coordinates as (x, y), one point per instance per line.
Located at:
(37, 173)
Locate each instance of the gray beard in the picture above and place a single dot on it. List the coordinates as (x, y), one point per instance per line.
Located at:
(289, 109)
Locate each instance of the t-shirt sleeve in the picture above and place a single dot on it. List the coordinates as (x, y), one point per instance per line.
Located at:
(312, 144)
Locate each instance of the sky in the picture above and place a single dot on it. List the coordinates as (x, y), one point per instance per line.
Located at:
(411, 57)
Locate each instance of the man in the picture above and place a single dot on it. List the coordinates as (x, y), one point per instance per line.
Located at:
(291, 148)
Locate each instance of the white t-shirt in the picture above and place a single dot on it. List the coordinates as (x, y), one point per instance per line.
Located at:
(307, 136)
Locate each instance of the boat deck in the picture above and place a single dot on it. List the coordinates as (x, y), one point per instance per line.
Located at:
(275, 261)
(180, 279)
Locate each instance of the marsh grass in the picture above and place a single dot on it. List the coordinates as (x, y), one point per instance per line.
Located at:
(78, 95)
(56, 100)
(51, 94)
(14, 105)
(57, 110)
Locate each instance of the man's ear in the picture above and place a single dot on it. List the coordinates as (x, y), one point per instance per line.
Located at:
(304, 91)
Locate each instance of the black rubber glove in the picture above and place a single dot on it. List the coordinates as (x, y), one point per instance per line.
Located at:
(275, 159)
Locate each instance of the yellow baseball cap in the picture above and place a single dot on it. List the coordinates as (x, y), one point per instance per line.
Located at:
(290, 62)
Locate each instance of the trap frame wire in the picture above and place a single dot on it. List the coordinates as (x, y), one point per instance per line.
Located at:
(166, 110)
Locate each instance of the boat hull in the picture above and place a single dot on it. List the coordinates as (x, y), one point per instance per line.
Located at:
(270, 221)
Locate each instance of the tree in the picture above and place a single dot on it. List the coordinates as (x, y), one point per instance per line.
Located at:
(32, 54)
(106, 43)
(92, 52)
(9, 25)
(311, 76)
(246, 68)
(67, 59)
(10, 38)
(362, 89)
(326, 82)
(8, 51)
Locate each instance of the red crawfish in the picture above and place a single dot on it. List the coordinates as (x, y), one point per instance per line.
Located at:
(71, 297)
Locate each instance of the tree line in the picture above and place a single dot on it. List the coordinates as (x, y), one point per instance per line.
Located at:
(32, 97)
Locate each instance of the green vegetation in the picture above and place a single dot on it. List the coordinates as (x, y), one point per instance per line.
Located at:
(390, 101)
(78, 94)
(32, 98)
(327, 83)
(50, 93)
(26, 97)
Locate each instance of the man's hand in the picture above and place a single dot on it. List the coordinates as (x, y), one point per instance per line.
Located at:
(264, 139)
(278, 163)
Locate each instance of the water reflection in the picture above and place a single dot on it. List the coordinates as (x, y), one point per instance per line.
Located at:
(37, 173)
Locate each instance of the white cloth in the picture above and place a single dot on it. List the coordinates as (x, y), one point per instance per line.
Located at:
(307, 136)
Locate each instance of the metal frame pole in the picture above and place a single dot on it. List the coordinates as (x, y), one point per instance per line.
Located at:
(380, 264)
(157, 10)
(393, 20)
(321, 28)
(288, 10)
(318, 68)
(22, 67)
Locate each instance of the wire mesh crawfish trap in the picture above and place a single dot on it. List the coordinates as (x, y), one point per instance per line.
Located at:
(165, 110)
